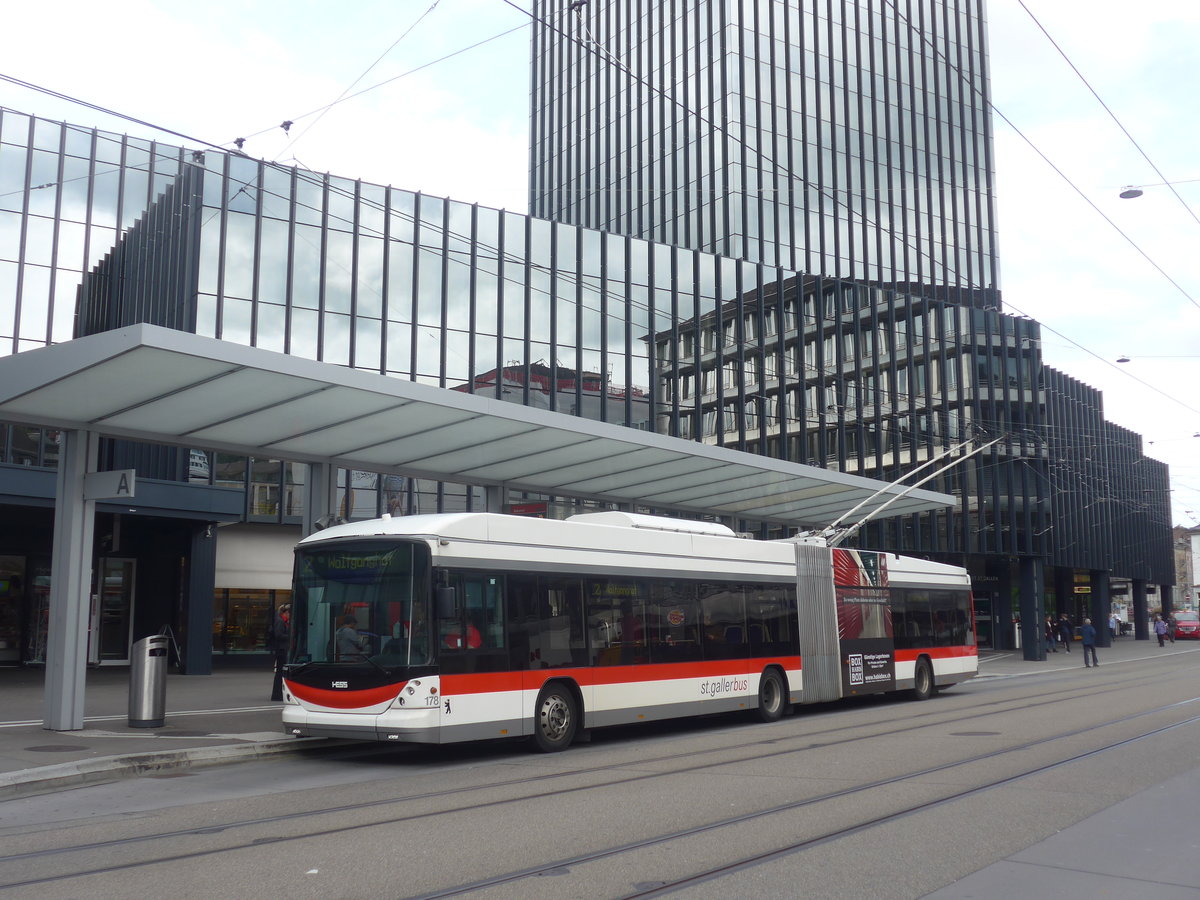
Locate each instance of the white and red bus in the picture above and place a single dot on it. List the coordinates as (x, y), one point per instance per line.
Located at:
(469, 626)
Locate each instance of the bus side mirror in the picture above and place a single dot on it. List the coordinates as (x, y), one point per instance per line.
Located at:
(446, 602)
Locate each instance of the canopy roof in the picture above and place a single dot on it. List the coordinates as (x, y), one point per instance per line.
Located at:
(171, 387)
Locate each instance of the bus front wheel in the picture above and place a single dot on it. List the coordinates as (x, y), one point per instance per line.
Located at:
(923, 686)
(770, 697)
(556, 718)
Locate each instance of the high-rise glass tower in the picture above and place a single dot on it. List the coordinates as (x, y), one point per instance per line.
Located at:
(840, 138)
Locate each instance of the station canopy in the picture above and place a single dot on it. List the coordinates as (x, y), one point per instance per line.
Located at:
(163, 386)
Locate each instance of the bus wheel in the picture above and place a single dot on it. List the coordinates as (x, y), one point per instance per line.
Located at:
(555, 719)
(923, 687)
(770, 697)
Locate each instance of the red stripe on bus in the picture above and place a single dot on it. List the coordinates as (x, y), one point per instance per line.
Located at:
(936, 653)
(488, 682)
(345, 699)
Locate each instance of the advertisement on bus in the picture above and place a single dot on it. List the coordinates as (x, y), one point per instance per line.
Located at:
(864, 622)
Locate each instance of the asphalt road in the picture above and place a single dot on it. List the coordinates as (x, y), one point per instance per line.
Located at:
(873, 798)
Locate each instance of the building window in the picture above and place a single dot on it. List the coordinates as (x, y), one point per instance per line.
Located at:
(241, 618)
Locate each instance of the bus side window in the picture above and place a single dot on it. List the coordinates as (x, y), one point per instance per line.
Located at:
(563, 639)
(772, 615)
(904, 625)
(673, 626)
(474, 640)
(523, 612)
(724, 611)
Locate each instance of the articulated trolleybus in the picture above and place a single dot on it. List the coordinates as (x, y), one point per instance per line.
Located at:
(468, 626)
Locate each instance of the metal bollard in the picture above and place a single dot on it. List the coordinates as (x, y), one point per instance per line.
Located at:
(148, 682)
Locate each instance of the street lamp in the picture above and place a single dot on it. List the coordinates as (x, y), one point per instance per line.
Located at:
(1124, 359)
(1133, 191)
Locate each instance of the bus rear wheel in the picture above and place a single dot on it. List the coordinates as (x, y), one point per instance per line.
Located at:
(770, 697)
(555, 719)
(923, 686)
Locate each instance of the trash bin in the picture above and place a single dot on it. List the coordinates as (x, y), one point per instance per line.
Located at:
(148, 682)
(1016, 635)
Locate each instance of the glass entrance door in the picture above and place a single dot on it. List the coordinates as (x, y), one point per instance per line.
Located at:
(12, 600)
(112, 625)
(985, 627)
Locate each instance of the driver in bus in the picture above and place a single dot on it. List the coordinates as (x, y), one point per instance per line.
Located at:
(348, 641)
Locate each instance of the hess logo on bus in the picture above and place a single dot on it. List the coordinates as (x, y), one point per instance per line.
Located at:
(340, 684)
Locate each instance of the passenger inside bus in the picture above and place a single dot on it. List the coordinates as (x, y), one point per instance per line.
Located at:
(454, 640)
(632, 630)
(410, 639)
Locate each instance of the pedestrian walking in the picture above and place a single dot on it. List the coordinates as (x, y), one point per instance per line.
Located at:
(1160, 629)
(1114, 626)
(1171, 627)
(1065, 631)
(1051, 635)
(278, 641)
(1088, 634)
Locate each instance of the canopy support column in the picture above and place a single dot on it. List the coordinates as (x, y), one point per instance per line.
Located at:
(70, 584)
(320, 497)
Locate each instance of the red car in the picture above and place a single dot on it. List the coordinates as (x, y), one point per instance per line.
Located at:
(1187, 625)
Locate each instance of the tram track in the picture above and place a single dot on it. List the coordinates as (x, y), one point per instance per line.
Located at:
(877, 821)
(911, 721)
(794, 744)
(817, 840)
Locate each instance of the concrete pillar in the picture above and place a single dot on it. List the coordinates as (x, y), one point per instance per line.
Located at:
(1101, 607)
(1032, 606)
(494, 496)
(70, 585)
(320, 496)
(1141, 623)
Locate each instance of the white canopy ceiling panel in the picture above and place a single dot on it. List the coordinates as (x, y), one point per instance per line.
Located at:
(425, 445)
(233, 394)
(337, 424)
(683, 489)
(559, 450)
(647, 478)
(620, 466)
(155, 384)
(524, 454)
(132, 378)
(779, 489)
(477, 455)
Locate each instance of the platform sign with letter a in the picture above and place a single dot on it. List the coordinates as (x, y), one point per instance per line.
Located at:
(118, 485)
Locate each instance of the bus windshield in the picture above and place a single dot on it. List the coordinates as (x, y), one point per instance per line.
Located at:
(365, 603)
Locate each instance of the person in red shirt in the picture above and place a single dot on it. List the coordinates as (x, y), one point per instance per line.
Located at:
(474, 639)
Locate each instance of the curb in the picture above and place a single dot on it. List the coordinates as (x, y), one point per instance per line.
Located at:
(46, 779)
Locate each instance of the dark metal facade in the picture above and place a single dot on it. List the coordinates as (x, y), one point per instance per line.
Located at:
(1111, 507)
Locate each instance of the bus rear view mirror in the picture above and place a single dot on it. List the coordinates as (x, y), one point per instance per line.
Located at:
(446, 605)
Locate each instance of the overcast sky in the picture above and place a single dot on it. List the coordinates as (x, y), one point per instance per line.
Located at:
(458, 127)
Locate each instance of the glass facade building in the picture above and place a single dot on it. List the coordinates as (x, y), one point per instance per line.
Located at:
(848, 142)
(99, 230)
(843, 138)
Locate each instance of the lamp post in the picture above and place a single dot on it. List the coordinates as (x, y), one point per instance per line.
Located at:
(1133, 191)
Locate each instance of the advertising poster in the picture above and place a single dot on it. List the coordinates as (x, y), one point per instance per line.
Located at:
(864, 621)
